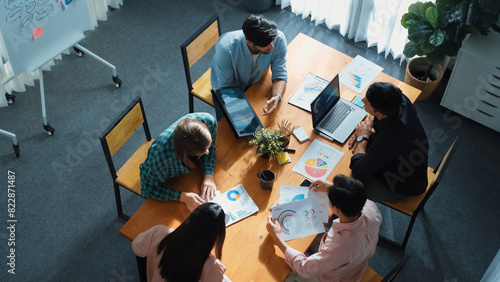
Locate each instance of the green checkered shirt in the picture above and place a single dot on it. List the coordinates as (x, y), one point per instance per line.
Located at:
(163, 163)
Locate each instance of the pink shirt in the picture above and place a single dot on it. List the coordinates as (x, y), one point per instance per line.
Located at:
(344, 250)
(146, 244)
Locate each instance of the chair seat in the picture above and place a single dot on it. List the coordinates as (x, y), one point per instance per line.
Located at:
(410, 204)
(201, 88)
(129, 175)
(371, 275)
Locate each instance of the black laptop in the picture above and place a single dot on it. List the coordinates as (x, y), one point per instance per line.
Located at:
(240, 115)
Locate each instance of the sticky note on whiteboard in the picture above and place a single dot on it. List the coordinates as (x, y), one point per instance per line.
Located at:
(37, 32)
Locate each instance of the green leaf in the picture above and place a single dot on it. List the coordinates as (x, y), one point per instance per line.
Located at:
(409, 20)
(431, 14)
(436, 38)
(427, 47)
(411, 49)
(420, 32)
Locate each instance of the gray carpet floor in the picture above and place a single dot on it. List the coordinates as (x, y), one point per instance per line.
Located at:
(67, 228)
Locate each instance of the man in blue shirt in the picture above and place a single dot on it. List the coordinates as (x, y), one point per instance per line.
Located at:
(241, 57)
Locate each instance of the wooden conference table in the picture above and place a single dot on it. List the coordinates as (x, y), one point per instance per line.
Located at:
(249, 253)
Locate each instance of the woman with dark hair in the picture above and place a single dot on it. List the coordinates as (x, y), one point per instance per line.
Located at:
(184, 254)
(189, 140)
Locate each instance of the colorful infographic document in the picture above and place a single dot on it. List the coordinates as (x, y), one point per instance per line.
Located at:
(298, 218)
(237, 204)
(308, 90)
(296, 193)
(318, 161)
(359, 73)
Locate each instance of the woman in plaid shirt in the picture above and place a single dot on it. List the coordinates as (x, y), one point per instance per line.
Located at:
(190, 139)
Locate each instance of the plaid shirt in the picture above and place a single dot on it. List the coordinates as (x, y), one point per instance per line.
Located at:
(163, 163)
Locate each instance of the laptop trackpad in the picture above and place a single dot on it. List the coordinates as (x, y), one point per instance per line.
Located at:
(344, 130)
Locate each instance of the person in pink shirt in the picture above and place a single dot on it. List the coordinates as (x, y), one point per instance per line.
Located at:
(345, 249)
(184, 254)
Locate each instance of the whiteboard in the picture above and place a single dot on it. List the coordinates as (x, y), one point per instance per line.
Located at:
(56, 25)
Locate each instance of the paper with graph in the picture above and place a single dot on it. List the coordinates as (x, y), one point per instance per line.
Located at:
(318, 161)
(237, 204)
(359, 73)
(298, 218)
(308, 90)
(296, 193)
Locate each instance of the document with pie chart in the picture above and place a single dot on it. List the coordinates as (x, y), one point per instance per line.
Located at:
(318, 161)
(237, 204)
(298, 218)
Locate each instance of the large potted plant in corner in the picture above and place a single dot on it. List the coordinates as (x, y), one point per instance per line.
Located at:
(437, 30)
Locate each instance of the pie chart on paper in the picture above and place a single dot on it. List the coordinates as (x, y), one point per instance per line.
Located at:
(316, 167)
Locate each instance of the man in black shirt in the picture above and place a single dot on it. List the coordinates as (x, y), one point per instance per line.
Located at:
(390, 146)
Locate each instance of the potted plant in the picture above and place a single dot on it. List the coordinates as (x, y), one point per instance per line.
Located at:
(437, 30)
(271, 142)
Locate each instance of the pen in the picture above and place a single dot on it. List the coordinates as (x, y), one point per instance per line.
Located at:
(289, 150)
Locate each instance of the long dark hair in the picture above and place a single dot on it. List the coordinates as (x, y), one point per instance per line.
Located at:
(186, 249)
(191, 137)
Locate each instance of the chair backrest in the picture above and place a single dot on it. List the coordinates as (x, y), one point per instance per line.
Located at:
(122, 128)
(440, 170)
(198, 44)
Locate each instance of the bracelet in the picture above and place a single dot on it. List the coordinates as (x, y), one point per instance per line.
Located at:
(279, 95)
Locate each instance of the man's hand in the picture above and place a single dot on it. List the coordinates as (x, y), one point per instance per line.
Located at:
(320, 186)
(192, 200)
(208, 187)
(273, 227)
(271, 105)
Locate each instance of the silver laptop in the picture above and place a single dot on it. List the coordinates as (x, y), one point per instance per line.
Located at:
(333, 116)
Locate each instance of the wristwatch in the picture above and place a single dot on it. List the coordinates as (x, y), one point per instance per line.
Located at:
(279, 95)
(361, 138)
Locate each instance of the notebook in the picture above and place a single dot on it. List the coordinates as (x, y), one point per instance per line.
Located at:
(333, 116)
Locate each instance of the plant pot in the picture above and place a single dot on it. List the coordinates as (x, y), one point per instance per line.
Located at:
(416, 67)
(265, 156)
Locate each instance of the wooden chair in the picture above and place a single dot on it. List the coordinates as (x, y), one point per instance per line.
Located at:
(413, 205)
(192, 50)
(114, 137)
(371, 275)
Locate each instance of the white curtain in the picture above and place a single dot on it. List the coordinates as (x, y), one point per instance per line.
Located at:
(98, 11)
(378, 22)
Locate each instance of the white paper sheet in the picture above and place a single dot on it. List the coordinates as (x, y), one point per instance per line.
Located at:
(359, 73)
(318, 161)
(296, 193)
(308, 90)
(237, 204)
(298, 219)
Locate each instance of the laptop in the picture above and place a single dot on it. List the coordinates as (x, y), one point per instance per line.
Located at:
(333, 116)
(235, 107)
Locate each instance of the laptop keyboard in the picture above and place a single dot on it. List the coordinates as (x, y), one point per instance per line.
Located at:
(341, 112)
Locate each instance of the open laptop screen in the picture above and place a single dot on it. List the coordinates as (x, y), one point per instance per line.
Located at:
(240, 114)
(325, 101)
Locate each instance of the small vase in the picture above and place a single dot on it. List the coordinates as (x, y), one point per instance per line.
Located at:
(285, 140)
(265, 156)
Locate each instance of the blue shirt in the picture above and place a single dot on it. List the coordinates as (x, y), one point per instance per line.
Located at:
(231, 65)
(163, 163)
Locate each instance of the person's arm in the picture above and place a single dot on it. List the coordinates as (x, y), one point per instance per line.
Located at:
(381, 152)
(274, 229)
(320, 186)
(222, 72)
(312, 266)
(207, 162)
(277, 90)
